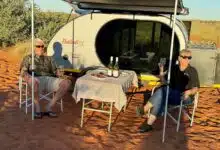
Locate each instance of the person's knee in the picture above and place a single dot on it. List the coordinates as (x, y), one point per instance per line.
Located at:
(157, 101)
(65, 84)
(36, 85)
(157, 96)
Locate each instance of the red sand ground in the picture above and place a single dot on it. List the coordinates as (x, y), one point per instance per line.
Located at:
(18, 131)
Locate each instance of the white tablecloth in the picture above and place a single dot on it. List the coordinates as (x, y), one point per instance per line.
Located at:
(107, 89)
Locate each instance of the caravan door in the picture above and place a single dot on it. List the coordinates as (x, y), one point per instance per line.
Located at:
(204, 60)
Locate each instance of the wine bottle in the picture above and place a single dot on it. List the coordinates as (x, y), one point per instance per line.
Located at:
(116, 68)
(110, 66)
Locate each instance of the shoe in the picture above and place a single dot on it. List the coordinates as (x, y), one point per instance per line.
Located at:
(145, 128)
(38, 115)
(50, 114)
(140, 111)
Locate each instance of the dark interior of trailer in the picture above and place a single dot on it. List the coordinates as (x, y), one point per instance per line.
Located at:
(140, 45)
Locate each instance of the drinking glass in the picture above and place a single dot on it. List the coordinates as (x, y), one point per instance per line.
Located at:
(162, 61)
(32, 69)
(61, 70)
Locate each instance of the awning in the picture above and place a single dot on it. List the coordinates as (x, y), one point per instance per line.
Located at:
(133, 6)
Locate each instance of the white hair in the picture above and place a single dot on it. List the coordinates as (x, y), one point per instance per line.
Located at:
(38, 41)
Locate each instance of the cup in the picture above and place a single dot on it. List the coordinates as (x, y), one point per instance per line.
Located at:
(76, 61)
(61, 70)
(162, 61)
(32, 68)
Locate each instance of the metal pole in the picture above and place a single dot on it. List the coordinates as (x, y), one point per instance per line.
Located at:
(169, 70)
(69, 15)
(32, 48)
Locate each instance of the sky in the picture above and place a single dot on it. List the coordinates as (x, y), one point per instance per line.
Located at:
(199, 9)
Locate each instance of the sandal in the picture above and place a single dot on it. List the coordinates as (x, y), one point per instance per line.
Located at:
(37, 115)
(50, 114)
(145, 128)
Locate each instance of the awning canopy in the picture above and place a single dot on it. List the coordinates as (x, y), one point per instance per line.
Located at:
(133, 6)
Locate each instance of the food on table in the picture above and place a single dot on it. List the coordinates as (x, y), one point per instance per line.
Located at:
(99, 75)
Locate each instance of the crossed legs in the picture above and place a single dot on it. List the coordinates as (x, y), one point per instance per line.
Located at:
(64, 86)
(156, 105)
(59, 86)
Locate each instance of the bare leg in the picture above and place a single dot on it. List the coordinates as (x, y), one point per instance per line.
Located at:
(63, 89)
(147, 107)
(151, 119)
(36, 92)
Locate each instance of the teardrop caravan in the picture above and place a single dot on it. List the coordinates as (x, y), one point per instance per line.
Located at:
(138, 40)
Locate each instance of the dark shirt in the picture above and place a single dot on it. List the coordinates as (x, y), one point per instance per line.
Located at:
(45, 65)
(184, 80)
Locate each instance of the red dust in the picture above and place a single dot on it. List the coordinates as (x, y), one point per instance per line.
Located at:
(18, 131)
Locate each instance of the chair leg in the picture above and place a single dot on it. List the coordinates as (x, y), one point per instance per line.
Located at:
(110, 117)
(83, 105)
(20, 97)
(102, 107)
(61, 105)
(192, 118)
(179, 117)
(26, 99)
(20, 90)
(125, 107)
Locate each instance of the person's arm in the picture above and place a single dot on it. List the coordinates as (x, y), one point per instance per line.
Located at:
(24, 68)
(53, 66)
(195, 84)
(192, 91)
(162, 73)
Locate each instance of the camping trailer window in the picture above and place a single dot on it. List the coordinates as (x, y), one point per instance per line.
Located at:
(138, 44)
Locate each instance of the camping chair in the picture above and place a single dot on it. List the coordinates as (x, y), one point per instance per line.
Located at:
(23, 90)
(182, 108)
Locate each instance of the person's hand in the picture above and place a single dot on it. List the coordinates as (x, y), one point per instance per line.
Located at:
(26, 77)
(187, 94)
(161, 67)
(59, 73)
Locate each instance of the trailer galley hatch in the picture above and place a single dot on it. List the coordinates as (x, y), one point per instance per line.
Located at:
(138, 44)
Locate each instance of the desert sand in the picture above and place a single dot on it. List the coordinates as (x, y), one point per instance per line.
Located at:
(18, 131)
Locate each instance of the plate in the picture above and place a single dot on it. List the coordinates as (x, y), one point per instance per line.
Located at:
(98, 76)
(124, 74)
(99, 71)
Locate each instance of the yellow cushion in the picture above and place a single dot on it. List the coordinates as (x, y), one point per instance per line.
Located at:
(148, 77)
(71, 70)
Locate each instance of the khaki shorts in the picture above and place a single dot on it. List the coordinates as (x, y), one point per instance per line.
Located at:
(49, 84)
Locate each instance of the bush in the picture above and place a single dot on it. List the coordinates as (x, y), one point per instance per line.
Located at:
(16, 22)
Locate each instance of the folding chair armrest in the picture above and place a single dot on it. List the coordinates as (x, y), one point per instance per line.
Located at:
(196, 99)
(20, 82)
(158, 86)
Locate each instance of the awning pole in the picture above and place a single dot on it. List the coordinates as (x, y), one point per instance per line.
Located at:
(69, 15)
(169, 70)
(32, 51)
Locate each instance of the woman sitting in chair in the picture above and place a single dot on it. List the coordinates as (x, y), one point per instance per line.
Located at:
(184, 84)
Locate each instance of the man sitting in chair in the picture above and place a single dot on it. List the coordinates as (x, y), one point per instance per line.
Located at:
(184, 84)
(46, 78)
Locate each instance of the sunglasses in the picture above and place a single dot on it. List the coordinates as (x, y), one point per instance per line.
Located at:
(186, 57)
(39, 46)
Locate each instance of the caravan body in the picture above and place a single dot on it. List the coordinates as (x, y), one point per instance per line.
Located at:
(134, 31)
(86, 36)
